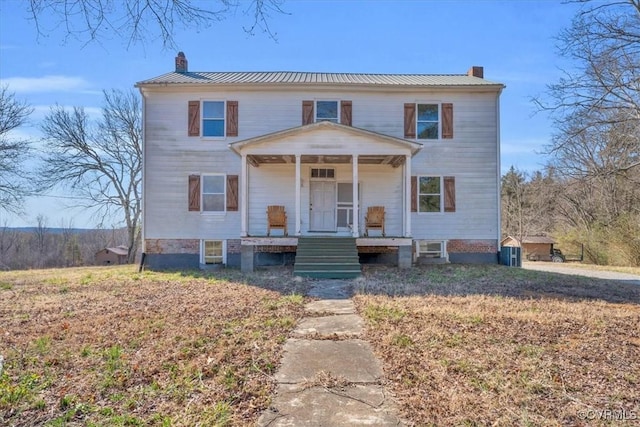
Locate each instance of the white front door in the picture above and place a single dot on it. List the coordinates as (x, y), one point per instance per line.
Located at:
(322, 206)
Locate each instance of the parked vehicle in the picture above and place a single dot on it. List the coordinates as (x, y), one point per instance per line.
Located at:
(555, 255)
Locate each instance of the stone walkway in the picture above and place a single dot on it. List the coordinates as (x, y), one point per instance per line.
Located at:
(328, 376)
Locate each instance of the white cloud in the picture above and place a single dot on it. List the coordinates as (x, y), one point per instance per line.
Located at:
(46, 84)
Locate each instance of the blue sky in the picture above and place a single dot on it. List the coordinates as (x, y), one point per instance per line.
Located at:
(513, 40)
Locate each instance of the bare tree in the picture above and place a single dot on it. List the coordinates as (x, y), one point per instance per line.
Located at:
(100, 163)
(602, 94)
(595, 108)
(141, 20)
(13, 151)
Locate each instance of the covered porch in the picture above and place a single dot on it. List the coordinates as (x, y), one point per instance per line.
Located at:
(311, 171)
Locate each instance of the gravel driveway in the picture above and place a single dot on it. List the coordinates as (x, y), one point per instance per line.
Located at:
(581, 271)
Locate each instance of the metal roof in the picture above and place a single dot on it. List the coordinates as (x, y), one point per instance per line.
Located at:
(305, 78)
(531, 240)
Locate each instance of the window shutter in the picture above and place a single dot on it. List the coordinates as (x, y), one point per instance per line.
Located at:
(194, 193)
(194, 118)
(232, 193)
(410, 120)
(232, 118)
(345, 112)
(307, 112)
(449, 193)
(447, 121)
(414, 194)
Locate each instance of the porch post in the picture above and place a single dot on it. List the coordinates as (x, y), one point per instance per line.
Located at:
(407, 196)
(244, 196)
(356, 208)
(298, 185)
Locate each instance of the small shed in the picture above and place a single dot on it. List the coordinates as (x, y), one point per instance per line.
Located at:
(112, 256)
(534, 248)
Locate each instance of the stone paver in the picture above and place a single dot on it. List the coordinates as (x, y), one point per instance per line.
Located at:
(325, 382)
(344, 325)
(331, 289)
(333, 306)
(350, 359)
(319, 406)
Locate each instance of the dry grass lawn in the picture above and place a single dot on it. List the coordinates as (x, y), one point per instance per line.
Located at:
(111, 347)
(460, 345)
(494, 346)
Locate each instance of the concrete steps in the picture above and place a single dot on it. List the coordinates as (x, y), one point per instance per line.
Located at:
(327, 258)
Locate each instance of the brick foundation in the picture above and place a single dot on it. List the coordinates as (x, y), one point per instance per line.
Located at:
(172, 246)
(233, 246)
(472, 246)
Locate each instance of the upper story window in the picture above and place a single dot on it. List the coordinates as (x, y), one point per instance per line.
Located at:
(431, 121)
(428, 121)
(213, 118)
(331, 111)
(327, 111)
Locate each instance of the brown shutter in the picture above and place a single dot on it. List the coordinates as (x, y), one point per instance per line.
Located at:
(232, 193)
(414, 194)
(194, 193)
(194, 118)
(410, 120)
(307, 112)
(345, 113)
(232, 118)
(449, 193)
(447, 121)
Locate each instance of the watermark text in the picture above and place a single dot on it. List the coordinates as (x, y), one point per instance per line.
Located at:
(608, 415)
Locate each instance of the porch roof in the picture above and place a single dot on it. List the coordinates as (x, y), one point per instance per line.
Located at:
(325, 142)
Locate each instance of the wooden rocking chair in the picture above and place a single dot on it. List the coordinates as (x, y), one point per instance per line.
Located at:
(374, 219)
(276, 218)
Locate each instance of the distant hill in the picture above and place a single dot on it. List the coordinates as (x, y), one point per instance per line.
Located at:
(60, 230)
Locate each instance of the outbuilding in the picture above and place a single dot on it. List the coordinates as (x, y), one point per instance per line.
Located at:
(534, 248)
(112, 256)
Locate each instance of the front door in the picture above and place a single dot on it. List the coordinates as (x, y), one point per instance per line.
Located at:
(322, 206)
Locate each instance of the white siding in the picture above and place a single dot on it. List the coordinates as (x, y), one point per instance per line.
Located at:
(171, 156)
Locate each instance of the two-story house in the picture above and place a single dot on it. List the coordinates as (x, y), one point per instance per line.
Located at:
(223, 151)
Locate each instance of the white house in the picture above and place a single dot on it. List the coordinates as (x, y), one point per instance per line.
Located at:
(221, 147)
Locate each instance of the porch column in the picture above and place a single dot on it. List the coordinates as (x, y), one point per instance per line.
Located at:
(298, 185)
(244, 196)
(407, 196)
(356, 208)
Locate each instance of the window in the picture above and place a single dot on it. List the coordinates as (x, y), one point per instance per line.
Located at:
(430, 249)
(429, 194)
(428, 123)
(327, 111)
(213, 118)
(213, 193)
(212, 252)
(323, 173)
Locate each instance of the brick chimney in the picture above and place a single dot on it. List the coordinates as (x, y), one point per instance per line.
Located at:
(474, 71)
(181, 63)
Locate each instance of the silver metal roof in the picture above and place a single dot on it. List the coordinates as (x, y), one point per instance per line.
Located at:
(304, 78)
